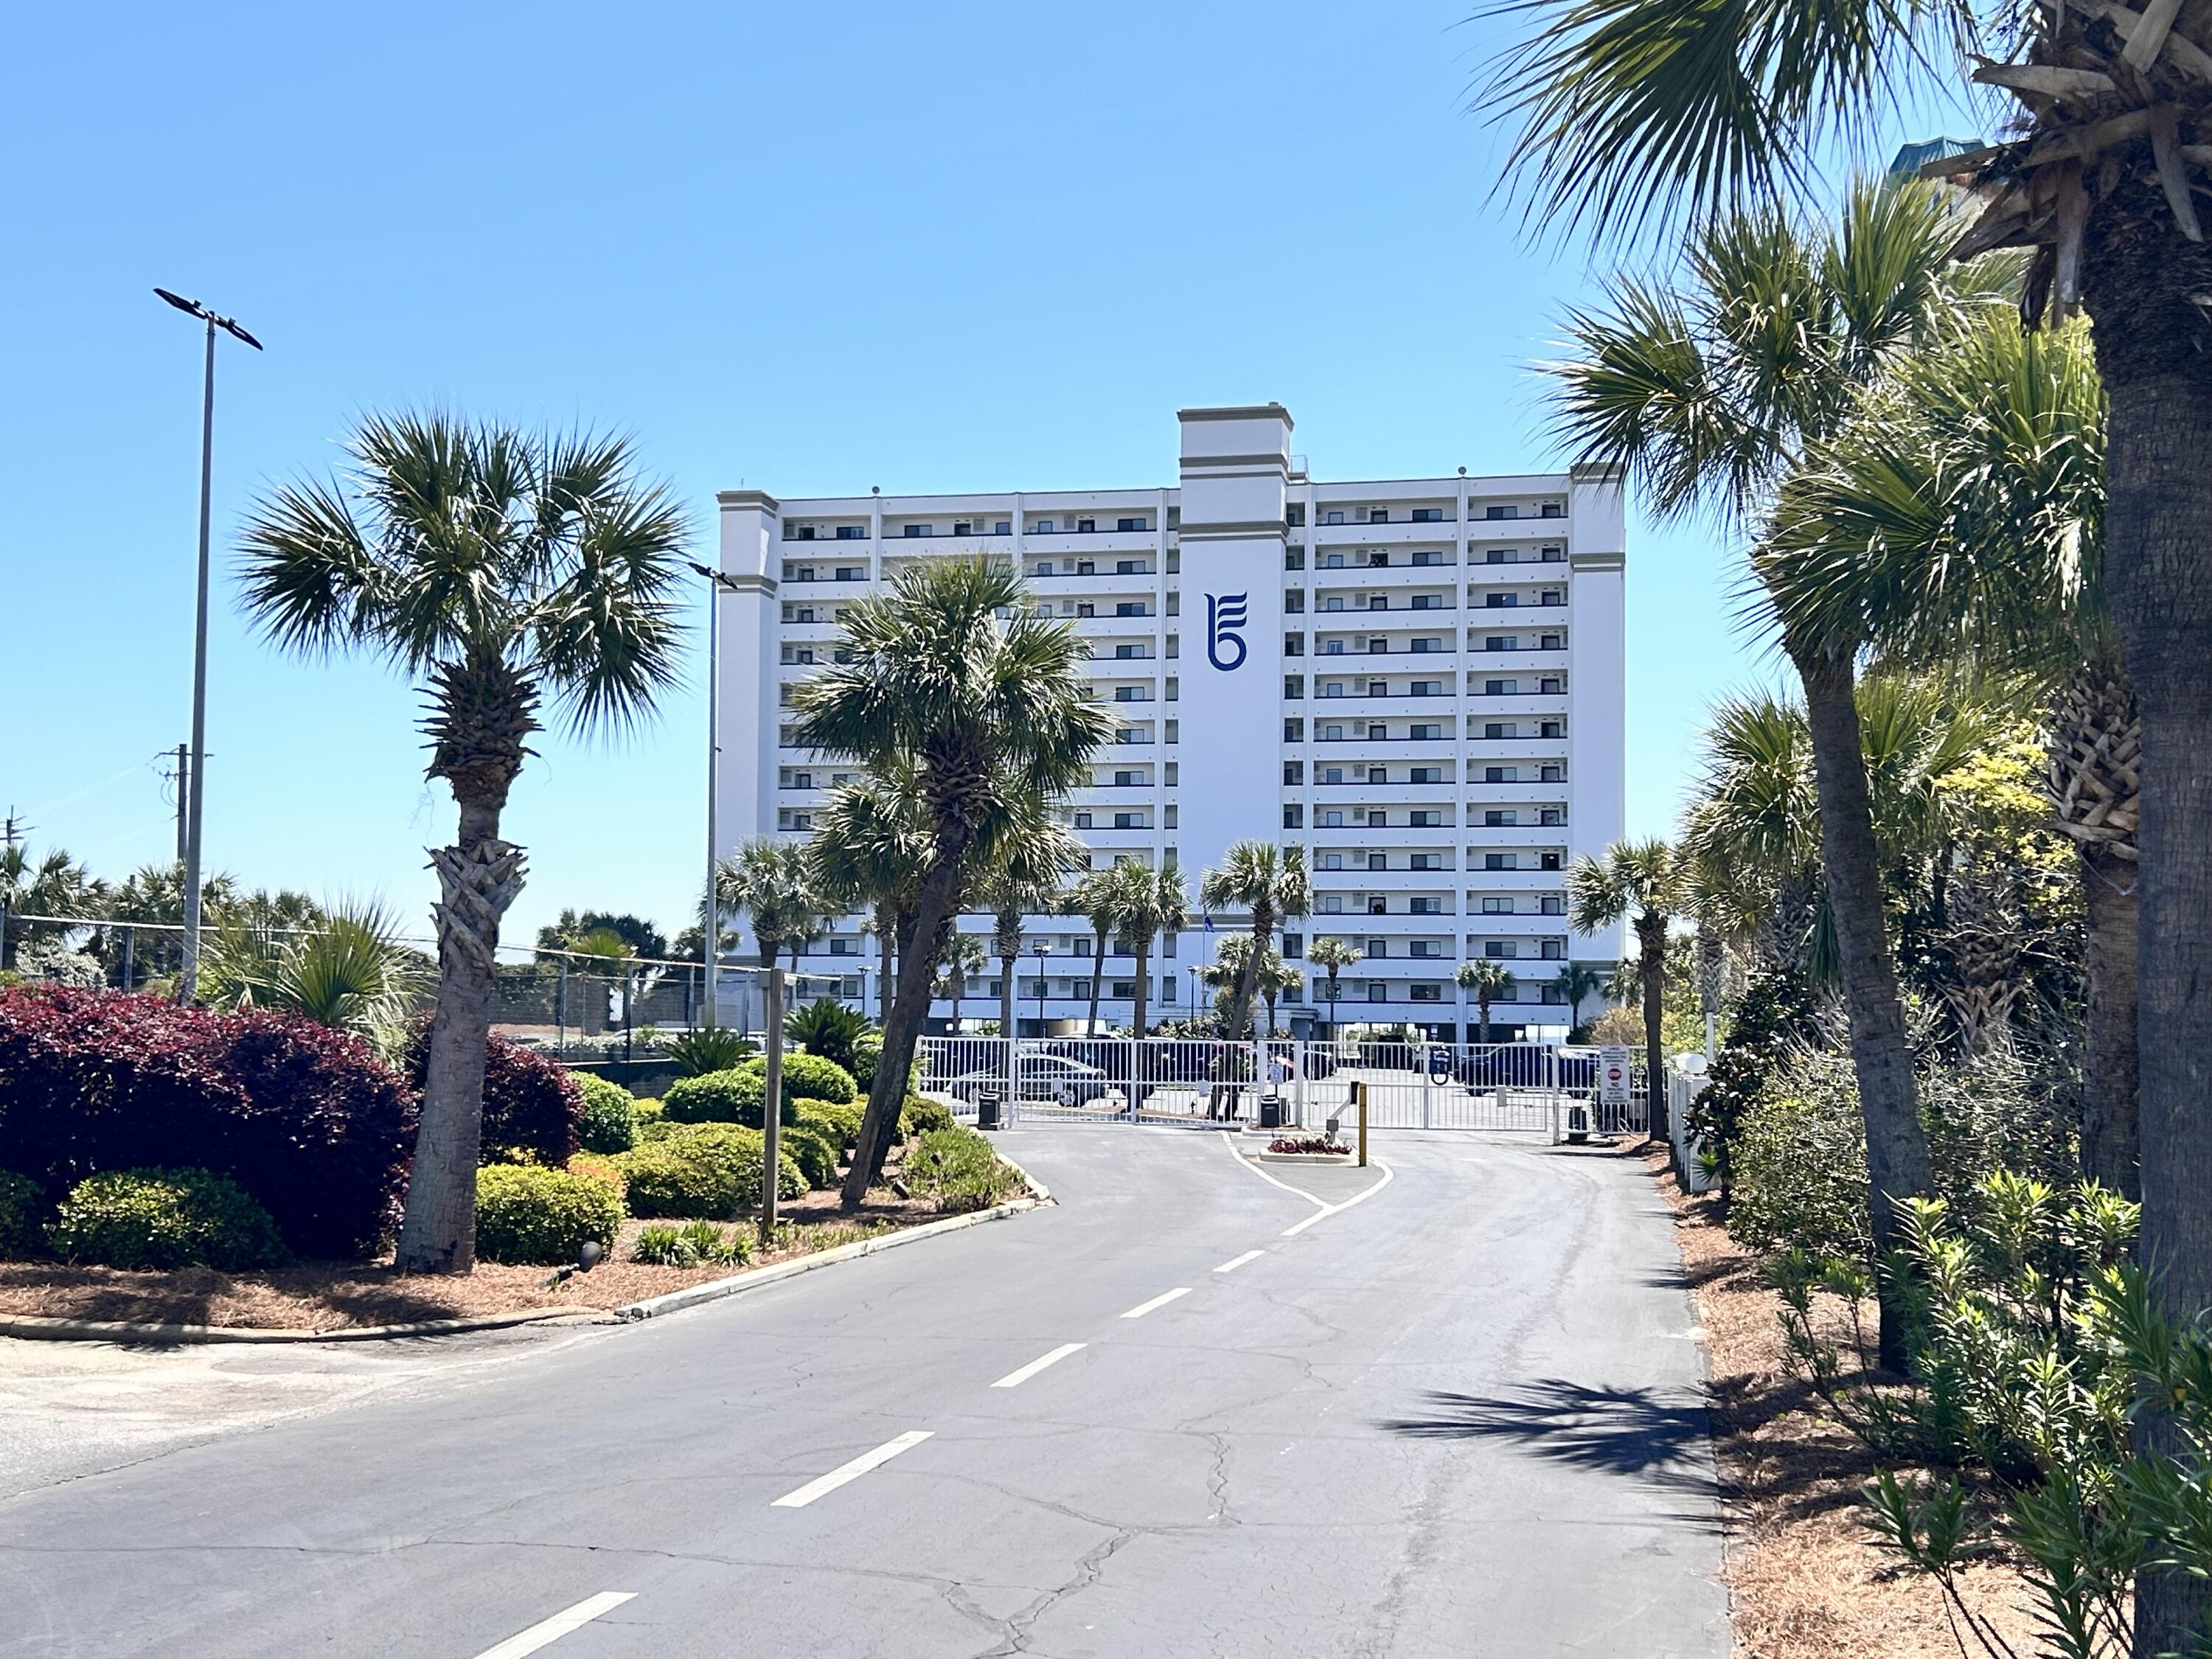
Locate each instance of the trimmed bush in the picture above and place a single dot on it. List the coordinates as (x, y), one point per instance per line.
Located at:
(867, 1055)
(920, 1116)
(610, 1120)
(814, 1152)
(308, 1120)
(958, 1170)
(599, 1166)
(840, 1124)
(164, 1219)
(730, 1097)
(526, 1212)
(534, 1108)
(642, 1112)
(808, 1076)
(23, 1210)
(706, 1170)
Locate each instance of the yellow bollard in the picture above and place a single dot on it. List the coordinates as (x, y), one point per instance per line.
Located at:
(1359, 1097)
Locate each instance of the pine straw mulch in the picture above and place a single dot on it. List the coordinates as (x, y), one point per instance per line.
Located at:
(1804, 1581)
(338, 1296)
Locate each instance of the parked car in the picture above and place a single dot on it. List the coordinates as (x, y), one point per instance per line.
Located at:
(1054, 1077)
(1516, 1065)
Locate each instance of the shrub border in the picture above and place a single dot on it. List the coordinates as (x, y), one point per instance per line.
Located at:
(126, 1331)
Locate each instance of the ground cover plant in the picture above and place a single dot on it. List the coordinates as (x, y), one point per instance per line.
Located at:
(957, 1169)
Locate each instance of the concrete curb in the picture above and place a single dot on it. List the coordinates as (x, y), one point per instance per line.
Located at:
(35, 1328)
(1263, 1156)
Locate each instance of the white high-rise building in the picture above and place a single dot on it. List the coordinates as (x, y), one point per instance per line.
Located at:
(1418, 680)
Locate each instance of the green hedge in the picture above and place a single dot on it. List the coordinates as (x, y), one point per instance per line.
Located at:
(920, 1115)
(526, 1212)
(958, 1170)
(706, 1170)
(735, 1096)
(610, 1122)
(22, 1208)
(840, 1124)
(164, 1219)
(814, 1152)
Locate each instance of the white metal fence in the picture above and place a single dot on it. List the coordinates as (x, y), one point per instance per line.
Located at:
(1539, 1088)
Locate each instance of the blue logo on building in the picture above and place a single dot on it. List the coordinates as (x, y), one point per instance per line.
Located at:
(1224, 630)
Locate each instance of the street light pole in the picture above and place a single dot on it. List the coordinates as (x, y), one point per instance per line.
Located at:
(188, 977)
(711, 949)
(1039, 956)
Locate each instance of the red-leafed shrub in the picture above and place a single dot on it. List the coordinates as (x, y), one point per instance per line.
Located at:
(308, 1120)
(532, 1106)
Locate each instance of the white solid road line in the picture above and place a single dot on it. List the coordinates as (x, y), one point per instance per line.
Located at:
(1015, 1379)
(1248, 1255)
(851, 1471)
(553, 1629)
(1161, 1301)
(1230, 1142)
(1328, 1210)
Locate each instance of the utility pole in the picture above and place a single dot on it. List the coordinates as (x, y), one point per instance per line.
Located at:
(711, 946)
(9, 835)
(184, 793)
(187, 980)
(771, 1108)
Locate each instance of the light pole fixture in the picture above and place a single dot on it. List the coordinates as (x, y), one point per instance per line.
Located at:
(1041, 986)
(711, 949)
(188, 978)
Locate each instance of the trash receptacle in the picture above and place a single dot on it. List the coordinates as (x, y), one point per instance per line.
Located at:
(1271, 1110)
(986, 1110)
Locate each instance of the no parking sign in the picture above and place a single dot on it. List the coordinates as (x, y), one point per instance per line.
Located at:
(1613, 1076)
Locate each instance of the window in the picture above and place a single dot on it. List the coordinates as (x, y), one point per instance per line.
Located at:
(1502, 642)
(1131, 524)
(1551, 643)
(1042, 527)
(1501, 556)
(1552, 950)
(1294, 947)
(1002, 527)
(1498, 729)
(1378, 515)
(962, 528)
(1428, 555)
(851, 532)
(1128, 780)
(1332, 518)
(1377, 990)
(1378, 645)
(1423, 818)
(1426, 907)
(1296, 515)
(1425, 861)
(1428, 688)
(1500, 601)
(1124, 990)
(1495, 948)
(1426, 775)
(1334, 648)
(1500, 687)
(1378, 861)
(1431, 733)
(1547, 860)
(1379, 905)
(1553, 556)
(1083, 821)
(1333, 602)
(1550, 729)
(852, 573)
(1128, 566)
(1425, 947)
(1428, 601)
(1551, 510)
(1086, 609)
(1128, 820)
(1129, 693)
(1501, 775)
(1497, 907)
(1331, 733)
(1495, 860)
(1332, 774)
(1086, 567)
(1332, 688)
(1551, 815)
(1126, 653)
(1428, 515)
(1085, 526)
(1506, 512)
(1294, 602)
(1551, 905)
(1378, 688)
(1044, 567)
(1427, 645)
(1378, 732)
(913, 531)
(1378, 561)
(1294, 731)
(1551, 685)
(1424, 992)
(1294, 644)
(1382, 602)
(1378, 774)
(1294, 773)
(1331, 819)
(1131, 608)
(1332, 562)
(1294, 558)
(1332, 861)
(1500, 817)
(843, 947)
(1376, 948)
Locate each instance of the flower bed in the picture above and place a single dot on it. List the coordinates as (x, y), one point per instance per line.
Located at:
(1309, 1146)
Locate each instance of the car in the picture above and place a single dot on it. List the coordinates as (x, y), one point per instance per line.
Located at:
(1054, 1077)
(1515, 1066)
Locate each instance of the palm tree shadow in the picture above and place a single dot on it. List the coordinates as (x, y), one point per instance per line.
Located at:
(1635, 1432)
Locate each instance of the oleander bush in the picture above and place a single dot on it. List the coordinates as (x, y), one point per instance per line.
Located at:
(309, 1121)
(610, 1120)
(920, 1116)
(957, 1170)
(164, 1219)
(526, 1212)
(22, 1216)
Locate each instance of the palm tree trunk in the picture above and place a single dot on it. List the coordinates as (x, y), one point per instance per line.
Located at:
(911, 1006)
(1098, 974)
(1898, 1165)
(1482, 1014)
(2150, 339)
(886, 943)
(1144, 983)
(2110, 1133)
(1248, 976)
(478, 878)
(1651, 951)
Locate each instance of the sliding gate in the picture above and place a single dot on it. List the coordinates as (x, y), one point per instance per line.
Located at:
(1534, 1088)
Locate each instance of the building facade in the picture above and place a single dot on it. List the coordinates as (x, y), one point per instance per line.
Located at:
(1418, 681)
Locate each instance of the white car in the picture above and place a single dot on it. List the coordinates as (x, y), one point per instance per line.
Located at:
(1054, 1077)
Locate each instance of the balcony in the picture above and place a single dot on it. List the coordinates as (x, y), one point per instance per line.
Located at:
(1482, 663)
(1367, 749)
(1517, 926)
(1492, 837)
(1355, 573)
(1355, 791)
(1483, 881)
(1400, 533)
(1107, 583)
(1525, 793)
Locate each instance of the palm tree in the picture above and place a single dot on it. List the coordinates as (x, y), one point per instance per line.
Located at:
(772, 884)
(346, 968)
(869, 848)
(952, 675)
(1277, 978)
(1489, 980)
(57, 885)
(964, 959)
(154, 893)
(1150, 903)
(1642, 881)
(1097, 896)
(502, 572)
(1332, 956)
(1960, 518)
(1576, 985)
(1710, 397)
(1270, 884)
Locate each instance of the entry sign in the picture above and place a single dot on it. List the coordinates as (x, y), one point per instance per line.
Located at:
(1613, 1076)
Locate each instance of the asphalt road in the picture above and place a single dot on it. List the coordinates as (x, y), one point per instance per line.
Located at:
(1458, 1417)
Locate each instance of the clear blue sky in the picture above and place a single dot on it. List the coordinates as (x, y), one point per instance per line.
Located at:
(804, 248)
